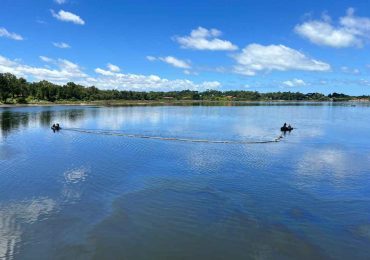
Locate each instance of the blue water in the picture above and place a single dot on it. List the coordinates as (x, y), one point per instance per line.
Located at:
(87, 195)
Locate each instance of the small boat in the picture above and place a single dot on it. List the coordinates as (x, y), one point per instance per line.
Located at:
(286, 129)
(55, 127)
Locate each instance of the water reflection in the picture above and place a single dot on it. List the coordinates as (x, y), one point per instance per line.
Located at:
(72, 185)
(13, 219)
(10, 121)
(196, 224)
(45, 118)
(140, 198)
(76, 175)
(14, 120)
(328, 160)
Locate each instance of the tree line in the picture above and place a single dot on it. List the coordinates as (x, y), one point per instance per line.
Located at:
(19, 90)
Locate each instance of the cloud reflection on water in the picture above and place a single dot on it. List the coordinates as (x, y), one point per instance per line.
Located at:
(328, 160)
(72, 189)
(13, 218)
(76, 175)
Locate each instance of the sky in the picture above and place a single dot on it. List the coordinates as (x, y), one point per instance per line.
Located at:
(254, 45)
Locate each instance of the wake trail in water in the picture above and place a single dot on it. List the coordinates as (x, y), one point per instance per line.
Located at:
(163, 138)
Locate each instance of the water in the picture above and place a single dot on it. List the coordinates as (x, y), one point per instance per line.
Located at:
(75, 195)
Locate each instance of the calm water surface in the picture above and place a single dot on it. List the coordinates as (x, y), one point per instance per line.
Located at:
(76, 195)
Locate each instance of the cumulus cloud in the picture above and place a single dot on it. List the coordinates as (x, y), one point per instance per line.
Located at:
(205, 39)
(178, 63)
(5, 33)
(255, 58)
(294, 83)
(60, 1)
(61, 71)
(175, 62)
(350, 31)
(109, 79)
(113, 68)
(61, 45)
(68, 17)
(103, 72)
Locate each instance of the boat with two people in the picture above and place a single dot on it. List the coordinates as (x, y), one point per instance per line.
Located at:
(55, 127)
(286, 128)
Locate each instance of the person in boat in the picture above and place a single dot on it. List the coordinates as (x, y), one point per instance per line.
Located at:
(286, 128)
(55, 127)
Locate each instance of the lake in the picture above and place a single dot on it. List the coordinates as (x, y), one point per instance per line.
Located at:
(108, 187)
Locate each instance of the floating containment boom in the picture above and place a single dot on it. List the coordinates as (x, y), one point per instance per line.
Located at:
(113, 133)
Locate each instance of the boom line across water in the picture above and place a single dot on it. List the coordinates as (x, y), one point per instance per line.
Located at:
(111, 133)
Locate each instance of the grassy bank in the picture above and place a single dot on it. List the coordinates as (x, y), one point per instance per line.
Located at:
(14, 103)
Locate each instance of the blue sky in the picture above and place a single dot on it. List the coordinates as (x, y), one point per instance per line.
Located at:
(262, 45)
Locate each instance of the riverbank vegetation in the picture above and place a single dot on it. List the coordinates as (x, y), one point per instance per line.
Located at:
(15, 90)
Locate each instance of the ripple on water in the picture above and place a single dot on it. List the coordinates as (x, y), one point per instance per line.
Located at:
(362, 230)
(76, 175)
(176, 223)
(13, 219)
(185, 200)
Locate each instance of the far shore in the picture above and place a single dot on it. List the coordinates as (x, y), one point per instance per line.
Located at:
(168, 102)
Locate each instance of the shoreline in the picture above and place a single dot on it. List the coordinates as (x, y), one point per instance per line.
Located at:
(170, 103)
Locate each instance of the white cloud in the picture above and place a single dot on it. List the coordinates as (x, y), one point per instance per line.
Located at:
(255, 58)
(148, 82)
(295, 83)
(175, 62)
(68, 17)
(357, 25)
(172, 61)
(151, 58)
(351, 31)
(61, 45)
(60, 1)
(5, 33)
(104, 72)
(113, 68)
(323, 33)
(63, 71)
(110, 72)
(45, 59)
(205, 39)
